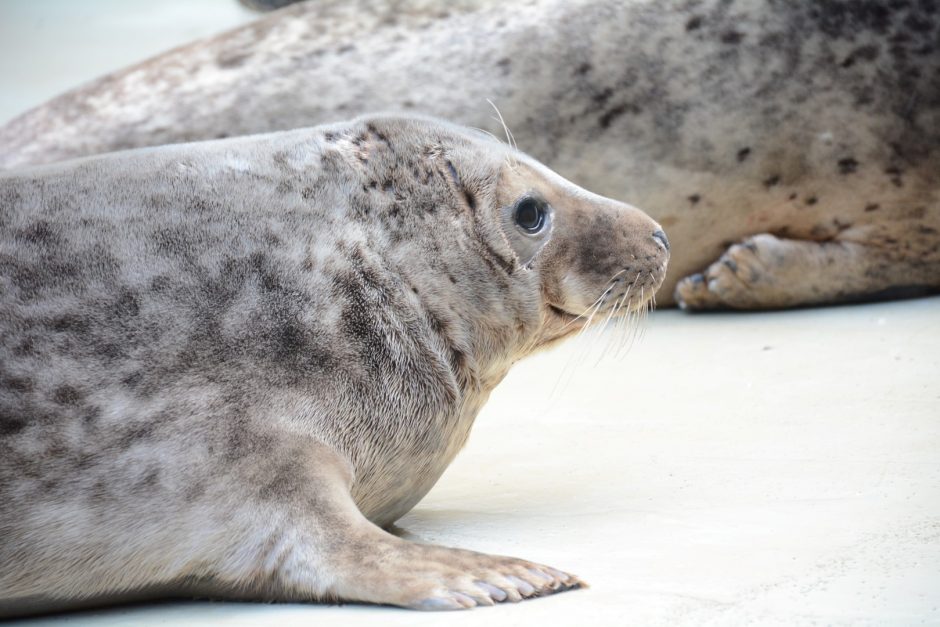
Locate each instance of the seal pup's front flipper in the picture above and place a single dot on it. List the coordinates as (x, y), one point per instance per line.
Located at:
(328, 551)
(767, 272)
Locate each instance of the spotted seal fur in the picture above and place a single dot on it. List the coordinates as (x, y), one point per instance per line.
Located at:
(791, 149)
(224, 366)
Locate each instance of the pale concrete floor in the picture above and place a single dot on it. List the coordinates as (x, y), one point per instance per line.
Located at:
(779, 468)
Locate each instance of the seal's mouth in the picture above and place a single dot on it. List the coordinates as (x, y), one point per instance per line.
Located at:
(564, 318)
(625, 297)
(560, 313)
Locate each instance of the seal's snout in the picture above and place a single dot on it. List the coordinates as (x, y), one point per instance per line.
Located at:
(661, 239)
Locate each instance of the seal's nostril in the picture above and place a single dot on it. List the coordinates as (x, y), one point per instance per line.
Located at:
(660, 236)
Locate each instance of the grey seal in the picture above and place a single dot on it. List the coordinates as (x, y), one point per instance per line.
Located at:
(791, 149)
(226, 366)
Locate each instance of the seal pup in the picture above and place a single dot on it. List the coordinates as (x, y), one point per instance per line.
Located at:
(225, 366)
(791, 149)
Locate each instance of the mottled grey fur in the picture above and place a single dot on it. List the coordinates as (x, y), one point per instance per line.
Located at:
(815, 125)
(220, 361)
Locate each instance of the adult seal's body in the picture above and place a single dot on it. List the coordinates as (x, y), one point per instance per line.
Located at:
(224, 366)
(799, 142)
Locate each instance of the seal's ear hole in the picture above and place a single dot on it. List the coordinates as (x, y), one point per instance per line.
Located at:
(453, 172)
(468, 196)
(527, 225)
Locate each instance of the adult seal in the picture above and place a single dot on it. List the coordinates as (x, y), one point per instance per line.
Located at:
(791, 149)
(225, 366)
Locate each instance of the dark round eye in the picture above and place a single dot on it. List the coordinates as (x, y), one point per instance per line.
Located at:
(530, 214)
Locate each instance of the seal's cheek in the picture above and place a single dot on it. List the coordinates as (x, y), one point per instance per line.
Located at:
(576, 294)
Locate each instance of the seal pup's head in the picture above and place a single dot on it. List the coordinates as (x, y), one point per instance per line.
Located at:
(505, 255)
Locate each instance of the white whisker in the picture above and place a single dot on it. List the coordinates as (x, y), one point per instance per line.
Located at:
(509, 137)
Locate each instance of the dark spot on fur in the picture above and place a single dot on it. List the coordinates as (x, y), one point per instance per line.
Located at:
(503, 64)
(89, 415)
(792, 196)
(694, 198)
(616, 111)
(772, 181)
(127, 305)
(819, 231)
(583, 69)
(895, 173)
(39, 232)
(363, 305)
(743, 154)
(872, 207)
(329, 136)
(848, 165)
(812, 200)
(133, 379)
(18, 384)
(731, 37)
(920, 23)
(863, 53)
(199, 205)
(70, 323)
(382, 137)
(10, 424)
(25, 347)
(232, 60)
(694, 23)
(281, 160)
(271, 239)
(837, 18)
(346, 48)
(160, 283)
(601, 97)
(66, 395)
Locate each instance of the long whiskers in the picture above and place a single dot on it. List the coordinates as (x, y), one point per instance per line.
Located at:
(598, 302)
(628, 323)
(509, 137)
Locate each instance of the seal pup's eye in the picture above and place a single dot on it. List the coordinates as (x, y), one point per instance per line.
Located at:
(527, 225)
(530, 214)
